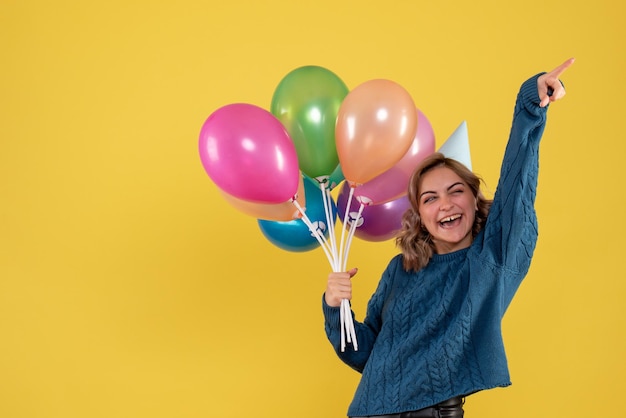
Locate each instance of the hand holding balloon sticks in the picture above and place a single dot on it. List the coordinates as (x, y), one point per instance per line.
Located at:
(317, 134)
(336, 257)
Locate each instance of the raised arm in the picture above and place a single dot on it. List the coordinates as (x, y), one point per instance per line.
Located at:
(511, 231)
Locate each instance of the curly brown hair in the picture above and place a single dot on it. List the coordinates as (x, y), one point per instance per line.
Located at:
(414, 240)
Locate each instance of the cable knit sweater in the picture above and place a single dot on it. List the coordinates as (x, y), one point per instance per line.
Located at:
(435, 334)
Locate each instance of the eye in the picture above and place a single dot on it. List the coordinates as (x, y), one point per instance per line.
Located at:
(428, 199)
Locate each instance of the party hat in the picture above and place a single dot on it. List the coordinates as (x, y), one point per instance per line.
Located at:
(457, 146)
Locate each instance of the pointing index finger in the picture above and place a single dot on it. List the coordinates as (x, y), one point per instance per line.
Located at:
(561, 68)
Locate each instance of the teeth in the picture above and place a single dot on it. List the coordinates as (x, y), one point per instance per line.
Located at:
(450, 218)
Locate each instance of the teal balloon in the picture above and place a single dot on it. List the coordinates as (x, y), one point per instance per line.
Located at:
(307, 101)
(295, 235)
(335, 178)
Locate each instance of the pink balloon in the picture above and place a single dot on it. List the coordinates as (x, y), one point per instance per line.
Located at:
(378, 222)
(393, 183)
(248, 153)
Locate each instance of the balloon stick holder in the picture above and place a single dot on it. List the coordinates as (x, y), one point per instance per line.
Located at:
(337, 253)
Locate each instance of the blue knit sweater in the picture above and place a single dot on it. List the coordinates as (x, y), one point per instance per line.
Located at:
(435, 334)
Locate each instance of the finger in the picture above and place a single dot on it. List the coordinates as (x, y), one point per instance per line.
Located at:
(341, 290)
(561, 68)
(352, 272)
(552, 95)
(558, 92)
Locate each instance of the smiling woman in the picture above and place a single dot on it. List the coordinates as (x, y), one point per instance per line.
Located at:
(432, 333)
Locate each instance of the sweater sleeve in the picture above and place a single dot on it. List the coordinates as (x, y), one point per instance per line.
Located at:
(366, 331)
(510, 234)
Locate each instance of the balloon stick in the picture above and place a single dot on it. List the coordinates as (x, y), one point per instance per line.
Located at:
(353, 226)
(337, 261)
(316, 233)
(326, 197)
(345, 223)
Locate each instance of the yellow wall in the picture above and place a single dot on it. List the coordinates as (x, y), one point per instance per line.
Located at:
(130, 288)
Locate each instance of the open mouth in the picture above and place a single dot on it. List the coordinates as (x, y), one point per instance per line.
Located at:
(450, 221)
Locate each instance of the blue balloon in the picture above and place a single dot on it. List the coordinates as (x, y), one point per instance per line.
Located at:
(295, 235)
(336, 177)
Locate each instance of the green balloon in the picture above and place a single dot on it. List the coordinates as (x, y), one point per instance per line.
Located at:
(307, 101)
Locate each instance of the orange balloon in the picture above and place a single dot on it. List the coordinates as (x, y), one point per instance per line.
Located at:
(376, 125)
(285, 211)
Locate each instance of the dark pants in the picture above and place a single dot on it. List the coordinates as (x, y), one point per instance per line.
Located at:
(452, 408)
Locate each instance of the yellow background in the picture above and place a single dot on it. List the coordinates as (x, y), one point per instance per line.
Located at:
(129, 287)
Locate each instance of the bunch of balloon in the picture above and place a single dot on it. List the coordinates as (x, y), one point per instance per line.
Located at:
(281, 166)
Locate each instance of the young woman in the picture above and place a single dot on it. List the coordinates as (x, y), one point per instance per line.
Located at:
(432, 334)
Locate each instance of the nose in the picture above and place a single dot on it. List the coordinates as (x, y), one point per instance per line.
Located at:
(445, 203)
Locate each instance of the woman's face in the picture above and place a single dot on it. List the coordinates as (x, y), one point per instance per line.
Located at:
(447, 208)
